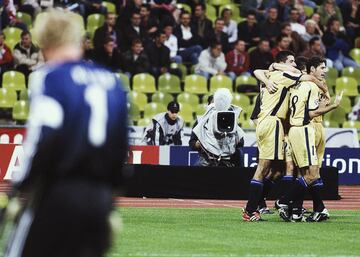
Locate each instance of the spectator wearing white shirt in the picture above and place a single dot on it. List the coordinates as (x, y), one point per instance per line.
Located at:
(212, 62)
(172, 43)
(294, 21)
(230, 26)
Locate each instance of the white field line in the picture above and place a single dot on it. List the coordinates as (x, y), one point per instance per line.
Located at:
(146, 254)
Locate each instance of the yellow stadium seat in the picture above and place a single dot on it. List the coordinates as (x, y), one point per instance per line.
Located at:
(331, 77)
(111, 8)
(345, 103)
(352, 124)
(308, 10)
(330, 124)
(182, 68)
(184, 7)
(124, 80)
(234, 8)
(151, 109)
(137, 98)
(211, 12)
(220, 81)
(169, 83)
(8, 98)
(186, 112)
(348, 85)
(352, 72)
(93, 22)
(355, 54)
(248, 124)
(200, 109)
(24, 94)
(14, 80)
(144, 122)
(241, 100)
(161, 97)
(338, 115)
(219, 2)
(195, 84)
(144, 83)
(134, 111)
(188, 98)
(25, 18)
(21, 111)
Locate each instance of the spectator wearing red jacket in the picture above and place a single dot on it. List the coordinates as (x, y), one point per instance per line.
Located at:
(238, 59)
(6, 57)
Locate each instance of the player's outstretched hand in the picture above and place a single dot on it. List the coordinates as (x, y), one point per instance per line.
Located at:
(271, 87)
(338, 98)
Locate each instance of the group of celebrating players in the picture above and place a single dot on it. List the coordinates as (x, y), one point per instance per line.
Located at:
(290, 137)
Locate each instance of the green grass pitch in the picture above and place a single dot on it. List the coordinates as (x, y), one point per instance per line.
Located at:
(173, 232)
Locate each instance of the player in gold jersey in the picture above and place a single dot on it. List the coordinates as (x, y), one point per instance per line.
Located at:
(305, 105)
(269, 130)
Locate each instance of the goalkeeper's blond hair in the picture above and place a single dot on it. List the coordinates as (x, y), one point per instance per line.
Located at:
(57, 28)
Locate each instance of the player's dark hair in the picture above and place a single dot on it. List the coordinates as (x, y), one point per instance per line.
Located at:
(136, 41)
(225, 10)
(25, 33)
(214, 44)
(282, 56)
(301, 62)
(314, 61)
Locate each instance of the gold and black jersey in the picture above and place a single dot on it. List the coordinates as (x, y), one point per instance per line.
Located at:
(276, 104)
(303, 99)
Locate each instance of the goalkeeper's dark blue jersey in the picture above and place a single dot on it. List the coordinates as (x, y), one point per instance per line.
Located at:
(77, 127)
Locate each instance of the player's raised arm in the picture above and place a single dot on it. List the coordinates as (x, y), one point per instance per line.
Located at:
(261, 75)
(324, 108)
(319, 83)
(283, 67)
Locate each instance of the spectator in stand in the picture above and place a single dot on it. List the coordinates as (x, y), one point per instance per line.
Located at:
(283, 8)
(297, 45)
(316, 49)
(149, 23)
(109, 55)
(31, 7)
(6, 57)
(319, 28)
(189, 48)
(132, 31)
(88, 7)
(8, 16)
(351, 14)
(270, 28)
(310, 27)
(337, 46)
(135, 60)
(27, 56)
(159, 56)
(107, 30)
(254, 6)
(212, 62)
(261, 57)
(163, 9)
(294, 22)
(238, 59)
(249, 30)
(202, 25)
(282, 44)
(230, 26)
(131, 6)
(328, 10)
(89, 54)
(172, 43)
(221, 36)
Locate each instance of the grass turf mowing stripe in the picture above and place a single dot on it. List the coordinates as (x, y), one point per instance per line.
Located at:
(218, 232)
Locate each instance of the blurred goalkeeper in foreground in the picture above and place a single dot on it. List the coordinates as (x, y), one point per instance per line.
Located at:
(74, 150)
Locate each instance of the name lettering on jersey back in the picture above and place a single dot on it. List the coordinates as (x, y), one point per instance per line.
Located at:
(83, 76)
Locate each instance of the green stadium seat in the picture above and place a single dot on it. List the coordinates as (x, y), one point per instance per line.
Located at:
(241, 100)
(124, 80)
(21, 111)
(188, 98)
(219, 2)
(137, 98)
(184, 7)
(331, 77)
(352, 72)
(352, 124)
(144, 122)
(169, 83)
(25, 18)
(14, 80)
(109, 6)
(338, 116)
(161, 97)
(24, 95)
(248, 110)
(330, 124)
(12, 36)
(134, 111)
(195, 84)
(348, 84)
(234, 8)
(308, 10)
(200, 109)
(220, 81)
(186, 112)
(211, 12)
(151, 109)
(144, 83)
(355, 54)
(345, 103)
(8, 98)
(248, 124)
(246, 84)
(93, 22)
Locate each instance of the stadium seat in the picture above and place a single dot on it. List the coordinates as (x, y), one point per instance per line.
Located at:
(211, 12)
(182, 68)
(125, 80)
(200, 109)
(24, 94)
(12, 36)
(21, 110)
(331, 77)
(188, 98)
(246, 84)
(338, 115)
(219, 2)
(308, 10)
(186, 112)
(330, 124)
(195, 84)
(144, 122)
(169, 83)
(248, 110)
(134, 111)
(352, 72)
(234, 8)
(184, 7)
(8, 98)
(248, 124)
(144, 83)
(241, 100)
(14, 80)
(348, 84)
(220, 81)
(355, 54)
(93, 22)
(137, 98)
(352, 124)
(151, 109)
(109, 6)
(345, 103)
(161, 97)
(25, 18)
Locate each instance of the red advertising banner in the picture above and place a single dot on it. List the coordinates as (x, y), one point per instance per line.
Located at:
(12, 135)
(11, 158)
(144, 155)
